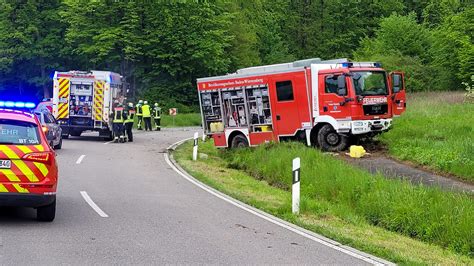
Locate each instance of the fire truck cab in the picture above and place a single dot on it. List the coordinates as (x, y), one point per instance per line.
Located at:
(321, 102)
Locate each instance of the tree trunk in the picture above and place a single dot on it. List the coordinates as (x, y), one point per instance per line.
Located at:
(46, 93)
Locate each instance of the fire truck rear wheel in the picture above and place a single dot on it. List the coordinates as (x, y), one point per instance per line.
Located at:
(46, 213)
(330, 140)
(239, 141)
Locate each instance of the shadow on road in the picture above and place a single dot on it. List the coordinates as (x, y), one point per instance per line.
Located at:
(15, 215)
(87, 137)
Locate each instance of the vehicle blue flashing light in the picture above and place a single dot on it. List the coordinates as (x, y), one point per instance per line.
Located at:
(347, 64)
(11, 104)
(378, 64)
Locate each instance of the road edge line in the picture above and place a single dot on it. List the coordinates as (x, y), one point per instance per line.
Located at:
(268, 217)
(94, 206)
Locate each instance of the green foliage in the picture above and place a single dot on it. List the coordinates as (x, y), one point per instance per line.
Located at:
(435, 131)
(453, 50)
(401, 44)
(162, 47)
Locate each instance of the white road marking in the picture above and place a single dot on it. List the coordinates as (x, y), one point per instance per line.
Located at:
(93, 205)
(79, 160)
(270, 218)
(105, 143)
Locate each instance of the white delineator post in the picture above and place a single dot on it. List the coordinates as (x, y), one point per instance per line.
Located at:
(195, 148)
(203, 136)
(295, 188)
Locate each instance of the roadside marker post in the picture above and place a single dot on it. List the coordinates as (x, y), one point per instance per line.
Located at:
(173, 112)
(203, 136)
(295, 188)
(195, 148)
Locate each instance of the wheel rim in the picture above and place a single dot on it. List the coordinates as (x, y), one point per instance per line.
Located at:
(333, 138)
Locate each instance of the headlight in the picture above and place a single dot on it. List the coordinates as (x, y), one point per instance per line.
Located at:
(358, 124)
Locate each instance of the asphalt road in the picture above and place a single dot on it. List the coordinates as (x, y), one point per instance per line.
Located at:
(150, 215)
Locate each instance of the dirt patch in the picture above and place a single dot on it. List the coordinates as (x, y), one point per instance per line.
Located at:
(379, 162)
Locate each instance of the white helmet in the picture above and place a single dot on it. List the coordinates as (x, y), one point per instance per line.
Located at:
(130, 104)
(140, 102)
(145, 102)
(156, 104)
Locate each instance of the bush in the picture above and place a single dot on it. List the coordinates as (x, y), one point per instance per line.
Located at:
(400, 44)
(469, 95)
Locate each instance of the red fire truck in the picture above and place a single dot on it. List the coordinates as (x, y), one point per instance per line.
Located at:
(324, 103)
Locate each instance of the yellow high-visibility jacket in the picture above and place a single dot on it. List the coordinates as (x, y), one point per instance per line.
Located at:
(146, 110)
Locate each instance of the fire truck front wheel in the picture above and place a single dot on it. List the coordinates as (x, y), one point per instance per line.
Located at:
(330, 140)
(239, 141)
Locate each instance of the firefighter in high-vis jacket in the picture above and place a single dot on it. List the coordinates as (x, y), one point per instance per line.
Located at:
(157, 117)
(146, 112)
(119, 117)
(130, 112)
(139, 113)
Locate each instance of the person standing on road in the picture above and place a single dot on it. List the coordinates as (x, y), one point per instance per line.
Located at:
(130, 112)
(118, 119)
(138, 111)
(146, 112)
(157, 117)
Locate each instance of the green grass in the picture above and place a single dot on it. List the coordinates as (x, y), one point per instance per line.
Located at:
(436, 131)
(388, 218)
(181, 120)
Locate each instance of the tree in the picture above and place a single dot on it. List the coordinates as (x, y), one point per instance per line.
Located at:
(30, 45)
(453, 50)
(401, 44)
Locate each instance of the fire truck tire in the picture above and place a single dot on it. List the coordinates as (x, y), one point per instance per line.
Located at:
(46, 213)
(239, 141)
(330, 140)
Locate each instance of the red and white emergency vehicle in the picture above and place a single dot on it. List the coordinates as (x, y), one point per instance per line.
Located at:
(83, 101)
(28, 168)
(321, 102)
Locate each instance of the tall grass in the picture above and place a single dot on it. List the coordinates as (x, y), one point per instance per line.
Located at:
(437, 131)
(181, 120)
(428, 214)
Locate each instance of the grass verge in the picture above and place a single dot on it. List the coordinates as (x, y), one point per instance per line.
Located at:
(436, 131)
(342, 202)
(181, 120)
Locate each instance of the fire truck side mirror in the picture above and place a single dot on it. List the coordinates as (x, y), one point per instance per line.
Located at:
(341, 85)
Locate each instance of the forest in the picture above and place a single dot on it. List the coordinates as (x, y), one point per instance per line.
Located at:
(161, 47)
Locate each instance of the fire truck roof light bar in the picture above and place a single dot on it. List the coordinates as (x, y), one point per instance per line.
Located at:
(11, 104)
(361, 64)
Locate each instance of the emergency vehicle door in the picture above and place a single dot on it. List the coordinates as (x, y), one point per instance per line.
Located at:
(334, 96)
(285, 108)
(397, 81)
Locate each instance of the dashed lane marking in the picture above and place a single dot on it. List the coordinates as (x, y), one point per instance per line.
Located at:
(79, 160)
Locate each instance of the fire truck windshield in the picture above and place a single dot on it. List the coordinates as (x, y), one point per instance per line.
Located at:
(368, 83)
